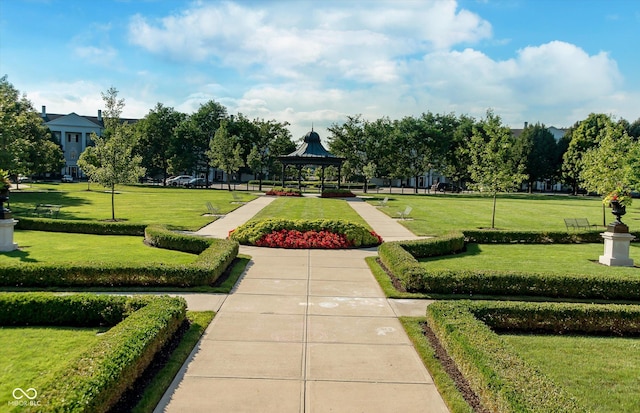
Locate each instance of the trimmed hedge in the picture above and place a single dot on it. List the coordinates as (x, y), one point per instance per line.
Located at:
(504, 381)
(400, 259)
(250, 232)
(95, 380)
(531, 237)
(80, 227)
(208, 266)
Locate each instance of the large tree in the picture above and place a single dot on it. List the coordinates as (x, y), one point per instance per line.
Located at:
(26, 144)
(156, 132)
(111, 161)
(272, 139)
(495, 165)
(540, 151)
(226, 152)
(583, 136)
(613, 166)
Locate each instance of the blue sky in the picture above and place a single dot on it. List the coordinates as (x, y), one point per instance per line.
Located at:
(306, 62)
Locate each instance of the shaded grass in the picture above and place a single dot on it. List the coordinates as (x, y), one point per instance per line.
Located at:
(435, 215)
(600, 371)
(161, 382)
(555, 259)
(176, 207)
(311, 209)
(59, 247)
(31, 353)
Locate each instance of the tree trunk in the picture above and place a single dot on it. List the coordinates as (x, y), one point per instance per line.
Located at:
(493, 215)
(113, 202)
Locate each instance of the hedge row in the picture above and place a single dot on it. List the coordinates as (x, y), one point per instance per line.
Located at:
(400, 259)
(78, 310)
(80, 227)
(267, 182)
(280, 191)
(531, 237)
(215, 257)
(250, 232)
(95, 380)
(504, 381)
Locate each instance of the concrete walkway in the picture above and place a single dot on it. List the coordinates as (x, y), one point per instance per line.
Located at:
(305, 331)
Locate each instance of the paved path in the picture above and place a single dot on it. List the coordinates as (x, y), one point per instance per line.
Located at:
(305, 331)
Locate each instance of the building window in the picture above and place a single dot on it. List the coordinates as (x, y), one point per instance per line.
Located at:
(77, 138)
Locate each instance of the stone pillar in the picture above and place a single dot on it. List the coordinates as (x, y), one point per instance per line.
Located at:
(616, 246)
(6, 235)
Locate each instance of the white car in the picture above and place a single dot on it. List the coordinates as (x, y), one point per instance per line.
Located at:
(180, 180)
(67, 178)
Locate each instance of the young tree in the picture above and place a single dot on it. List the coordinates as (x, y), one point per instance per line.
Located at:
(494, 165)
(614, 164)
(26, 144)
(111, 161)
(225, 152)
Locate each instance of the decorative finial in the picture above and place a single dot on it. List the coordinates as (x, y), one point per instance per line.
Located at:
(311, 126)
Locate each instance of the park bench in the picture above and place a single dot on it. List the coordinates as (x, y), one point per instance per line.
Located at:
(577, 223)
(404, 214)
(237, 199)
(47, 210)
(383, 203)
(214, 211)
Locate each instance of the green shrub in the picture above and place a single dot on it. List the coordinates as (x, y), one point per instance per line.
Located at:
(80, 227)
(531, 237)
(161, 237)
(96, 379)
(209, 265)
(252, 231)
(503, 381)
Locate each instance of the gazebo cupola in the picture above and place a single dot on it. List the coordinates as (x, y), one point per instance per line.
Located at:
(310, 152)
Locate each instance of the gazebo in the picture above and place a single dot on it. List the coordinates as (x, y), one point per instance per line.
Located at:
(310, 152)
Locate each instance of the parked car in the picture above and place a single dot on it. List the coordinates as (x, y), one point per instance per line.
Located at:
(196, 183)
(67, 178)
(23, 179)
(445, 187)
(180, 180)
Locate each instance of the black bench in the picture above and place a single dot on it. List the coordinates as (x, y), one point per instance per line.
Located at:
(577, 223)
(47, 210)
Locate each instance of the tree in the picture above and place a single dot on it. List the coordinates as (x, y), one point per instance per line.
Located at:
(271, 140)
(26, 144)
(614, 164)
(456, 154)
(111, 161)
(155, 135)
(369, 171)
(583, 136)
(494, 165)
(539, 149)
(225, 152)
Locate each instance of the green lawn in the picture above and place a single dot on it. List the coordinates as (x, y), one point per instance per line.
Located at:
(29, 353)
(311, 208)
(602, 372)
(557, 258)
(59, 247)
(177, 207)
(439, 214)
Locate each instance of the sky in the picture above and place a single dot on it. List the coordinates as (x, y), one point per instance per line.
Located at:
(313, 63)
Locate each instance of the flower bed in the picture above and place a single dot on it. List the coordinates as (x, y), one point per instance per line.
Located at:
(280, 191)
(324, 234)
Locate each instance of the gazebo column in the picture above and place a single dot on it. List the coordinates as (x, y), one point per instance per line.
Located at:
(300, 177)
(322, 179)
(339, 170)
(284, 168)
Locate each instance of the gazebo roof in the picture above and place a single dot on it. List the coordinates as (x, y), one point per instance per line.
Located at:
(311, 151)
